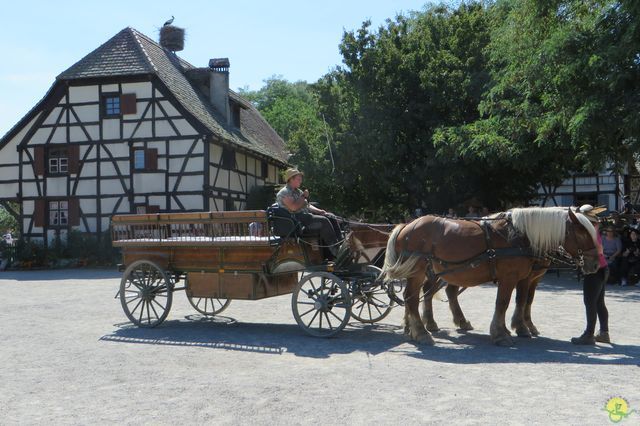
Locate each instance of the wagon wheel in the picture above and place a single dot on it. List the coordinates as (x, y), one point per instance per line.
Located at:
(209, 306)
(321, 304)
(371, 300)
(146, 293)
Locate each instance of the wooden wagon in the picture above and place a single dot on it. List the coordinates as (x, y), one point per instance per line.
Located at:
(219, 256)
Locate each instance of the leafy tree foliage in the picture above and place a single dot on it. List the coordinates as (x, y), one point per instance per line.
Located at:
(485, 101)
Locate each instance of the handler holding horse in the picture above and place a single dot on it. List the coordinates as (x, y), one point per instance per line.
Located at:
(466, 254)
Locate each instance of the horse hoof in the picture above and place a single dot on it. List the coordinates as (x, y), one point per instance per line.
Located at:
(465, 326)
(432, 327)
(534, 331)
(523, 332)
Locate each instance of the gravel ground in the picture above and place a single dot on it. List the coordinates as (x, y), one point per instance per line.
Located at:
(69, 356)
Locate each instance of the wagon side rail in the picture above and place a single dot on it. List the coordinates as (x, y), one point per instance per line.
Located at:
(175, 229)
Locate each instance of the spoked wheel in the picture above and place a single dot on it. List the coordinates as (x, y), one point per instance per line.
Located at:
(209, 306)
(146, 293)
(371, 300)
(321, 304)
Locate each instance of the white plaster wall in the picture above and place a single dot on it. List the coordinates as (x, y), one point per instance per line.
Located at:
(76, 135)
(193, 164)
(144, 131)
(107, 168)
(113, 186)
(106, 223)
(158, 200)
(148, 182)
(141, 89)
(117, 149)
(110, 88)
(59, 135)
(223, 179)
(57, 186)
(111, 129)
(87, 113)
(235, 182)
(184, 127)
(127, 130)
(91, 222)
(83, 94)
(241, 162)
(251, 165)
(88, 206)
(190, 202)
(109, 203)
(94, 132)
(86, 187)
(187, 183)
(89, 169)
(169, 108)
(52, 117)
(215, 153)
(40, 136)
(164, 129)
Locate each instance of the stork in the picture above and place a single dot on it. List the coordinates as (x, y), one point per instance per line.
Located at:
(169, 21)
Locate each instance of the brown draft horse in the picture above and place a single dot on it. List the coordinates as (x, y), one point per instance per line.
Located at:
(521, 320)
(368, 242)
(465, 255)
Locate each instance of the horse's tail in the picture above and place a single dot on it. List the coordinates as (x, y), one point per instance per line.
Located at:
(395, 267)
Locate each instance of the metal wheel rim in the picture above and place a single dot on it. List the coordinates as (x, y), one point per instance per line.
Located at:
(321, 304)
(374, 304)
(146, 293)
(209, 306)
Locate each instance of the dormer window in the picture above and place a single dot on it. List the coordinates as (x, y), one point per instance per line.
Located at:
(235, 115)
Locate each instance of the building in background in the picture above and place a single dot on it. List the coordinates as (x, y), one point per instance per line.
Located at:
(133, 128)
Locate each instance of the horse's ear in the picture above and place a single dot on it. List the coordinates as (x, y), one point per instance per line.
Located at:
(573, 217)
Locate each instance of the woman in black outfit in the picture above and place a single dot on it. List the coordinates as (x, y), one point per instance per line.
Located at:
(593, 292)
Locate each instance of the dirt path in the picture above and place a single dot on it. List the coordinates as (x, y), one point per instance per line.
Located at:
(68, 356)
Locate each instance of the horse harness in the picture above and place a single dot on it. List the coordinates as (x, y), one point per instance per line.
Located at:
(491, 254)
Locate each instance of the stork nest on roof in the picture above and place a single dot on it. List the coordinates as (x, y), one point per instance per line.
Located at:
(172, 38)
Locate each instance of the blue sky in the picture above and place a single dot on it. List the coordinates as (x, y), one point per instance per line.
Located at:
(297, 40)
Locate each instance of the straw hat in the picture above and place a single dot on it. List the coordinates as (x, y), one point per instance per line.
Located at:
(591, 212)
(289, 173)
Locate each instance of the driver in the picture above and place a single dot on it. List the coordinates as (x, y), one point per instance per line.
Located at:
(296, 202)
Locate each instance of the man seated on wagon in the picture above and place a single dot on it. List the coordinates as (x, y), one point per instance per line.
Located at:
(296, 201)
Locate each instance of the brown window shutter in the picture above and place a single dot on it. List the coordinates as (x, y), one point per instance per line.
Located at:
(74, 212)
(74, 159)
(39, 213)
(153, 209)
(128, 103)
(151, 159)
(39, 166)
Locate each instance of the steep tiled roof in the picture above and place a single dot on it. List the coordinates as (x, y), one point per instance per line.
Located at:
(132, 53)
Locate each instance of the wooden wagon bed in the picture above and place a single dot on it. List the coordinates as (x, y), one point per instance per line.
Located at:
(219, 256)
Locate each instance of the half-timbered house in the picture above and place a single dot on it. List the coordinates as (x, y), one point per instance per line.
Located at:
(132, 127)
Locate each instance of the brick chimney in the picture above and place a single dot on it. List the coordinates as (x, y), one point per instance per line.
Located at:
(219, 86)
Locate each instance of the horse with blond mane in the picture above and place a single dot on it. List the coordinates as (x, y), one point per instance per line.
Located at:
(466, 254)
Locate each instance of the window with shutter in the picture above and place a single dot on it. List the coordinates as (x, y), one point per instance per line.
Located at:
(111, 105)
(128, 103)
(145, 159)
